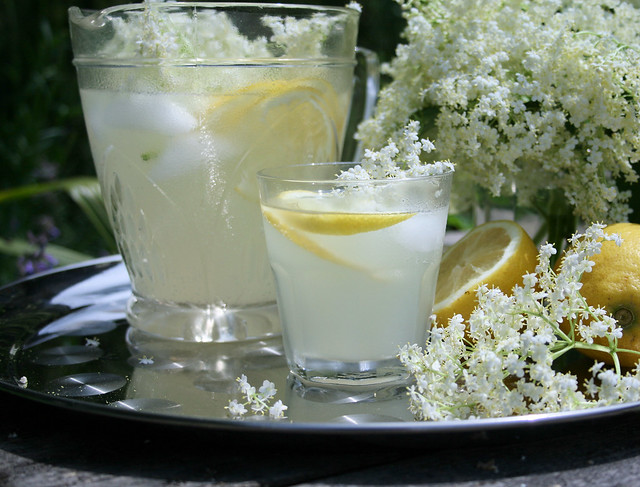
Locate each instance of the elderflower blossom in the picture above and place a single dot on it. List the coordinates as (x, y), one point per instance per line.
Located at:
(299, 37)
(400, 158)
(144, 360)
(501, 362)
(158, 35)
(536, 94)
(257, 400)
(199, 33)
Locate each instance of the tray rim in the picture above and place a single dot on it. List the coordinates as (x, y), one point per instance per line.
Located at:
(260, 425)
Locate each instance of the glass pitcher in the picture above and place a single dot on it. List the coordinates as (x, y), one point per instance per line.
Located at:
(183, 104)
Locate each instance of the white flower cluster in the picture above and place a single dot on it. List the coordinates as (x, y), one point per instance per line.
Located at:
(257, 400)
(542, 94)
(501, 362)
(299, 38)
(157, 35)
(400, 158)
(209, 33)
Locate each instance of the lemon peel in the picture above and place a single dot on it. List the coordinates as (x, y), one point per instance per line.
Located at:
(614, 284)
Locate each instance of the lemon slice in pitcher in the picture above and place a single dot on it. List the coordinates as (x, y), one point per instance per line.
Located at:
(300, 119)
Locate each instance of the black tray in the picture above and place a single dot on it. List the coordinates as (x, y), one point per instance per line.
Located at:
(63, 342)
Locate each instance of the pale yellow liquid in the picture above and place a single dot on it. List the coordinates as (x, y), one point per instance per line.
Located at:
(177, 163)
(353, 298)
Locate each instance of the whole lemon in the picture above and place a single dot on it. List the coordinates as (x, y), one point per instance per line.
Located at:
(614, 284)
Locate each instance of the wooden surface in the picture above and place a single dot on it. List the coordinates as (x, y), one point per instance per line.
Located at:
(42, 445)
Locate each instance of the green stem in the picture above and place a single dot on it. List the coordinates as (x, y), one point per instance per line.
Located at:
(559, 221)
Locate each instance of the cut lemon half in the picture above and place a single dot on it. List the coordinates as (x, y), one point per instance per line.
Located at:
(497, 254)
(297, 226)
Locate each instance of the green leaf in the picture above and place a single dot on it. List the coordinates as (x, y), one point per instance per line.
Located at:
(89, 198)
(36, 189)
(63, 255)
(460, 221)
(85, 192)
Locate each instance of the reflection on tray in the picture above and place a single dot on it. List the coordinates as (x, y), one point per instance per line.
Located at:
(83, 352)
(64, 339)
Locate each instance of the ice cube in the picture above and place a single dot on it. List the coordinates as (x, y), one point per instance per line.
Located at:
(423, 232)
(154, 113)
(181, 155)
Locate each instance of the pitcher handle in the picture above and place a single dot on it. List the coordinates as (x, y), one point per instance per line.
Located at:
(365, 93)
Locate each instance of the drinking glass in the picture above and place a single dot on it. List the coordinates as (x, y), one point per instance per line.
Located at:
(355, 264)
(183, 103)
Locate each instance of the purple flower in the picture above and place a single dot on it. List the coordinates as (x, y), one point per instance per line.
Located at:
(39, 260)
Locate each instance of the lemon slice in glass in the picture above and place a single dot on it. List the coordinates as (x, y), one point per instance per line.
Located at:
(299, 227)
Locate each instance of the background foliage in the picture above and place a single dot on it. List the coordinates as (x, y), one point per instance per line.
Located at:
(42, 136)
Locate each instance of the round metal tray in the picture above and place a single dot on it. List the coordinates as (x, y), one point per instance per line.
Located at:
(63, 342)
